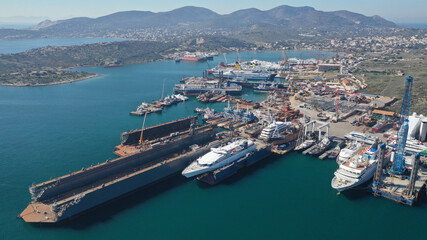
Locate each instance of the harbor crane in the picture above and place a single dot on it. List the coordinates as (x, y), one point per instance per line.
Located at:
(318, 56)
(398, 166)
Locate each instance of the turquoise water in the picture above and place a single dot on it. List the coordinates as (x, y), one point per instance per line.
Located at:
(16, 46)
(50, 131)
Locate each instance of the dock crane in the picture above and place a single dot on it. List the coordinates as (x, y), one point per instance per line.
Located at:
(318, 56)
(398, 167)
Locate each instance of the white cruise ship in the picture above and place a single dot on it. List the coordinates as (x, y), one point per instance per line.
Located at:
(349, 151)
(219, 157)
(356, 171)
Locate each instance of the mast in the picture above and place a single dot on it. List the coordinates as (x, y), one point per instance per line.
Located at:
(142, 129)
(238, 56)
(163, 89)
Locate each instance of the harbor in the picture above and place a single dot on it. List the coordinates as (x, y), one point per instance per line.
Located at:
(244, 174)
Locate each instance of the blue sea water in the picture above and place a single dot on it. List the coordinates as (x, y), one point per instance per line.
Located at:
(16, 46)
(49, 131)
(414, 25)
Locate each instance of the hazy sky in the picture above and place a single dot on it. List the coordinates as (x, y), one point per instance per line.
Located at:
(395, 10)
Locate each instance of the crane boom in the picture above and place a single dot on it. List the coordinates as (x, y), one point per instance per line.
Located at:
(398, 166)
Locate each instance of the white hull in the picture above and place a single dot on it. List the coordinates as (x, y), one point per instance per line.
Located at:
(194, 169)
(367, 175)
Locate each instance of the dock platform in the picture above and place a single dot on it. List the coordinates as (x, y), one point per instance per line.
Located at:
(339, 143)
(308, 150)
(396, 189)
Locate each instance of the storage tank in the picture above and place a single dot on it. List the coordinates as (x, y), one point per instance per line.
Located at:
(423, 130)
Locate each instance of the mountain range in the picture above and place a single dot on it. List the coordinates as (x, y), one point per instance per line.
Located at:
(197, 19)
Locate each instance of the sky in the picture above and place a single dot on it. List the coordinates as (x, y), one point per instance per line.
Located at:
(409, 11)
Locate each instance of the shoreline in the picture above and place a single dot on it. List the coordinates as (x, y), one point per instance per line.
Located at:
(149, 61)
(50, 84)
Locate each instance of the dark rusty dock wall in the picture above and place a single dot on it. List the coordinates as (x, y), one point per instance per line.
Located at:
(158, 131)
(127, 185)
(67, 183)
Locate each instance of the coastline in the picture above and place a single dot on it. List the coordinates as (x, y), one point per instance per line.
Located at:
(50, 84)
(146, 61)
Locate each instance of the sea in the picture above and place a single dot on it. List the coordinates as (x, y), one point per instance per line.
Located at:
(414, 25)
(46, 132)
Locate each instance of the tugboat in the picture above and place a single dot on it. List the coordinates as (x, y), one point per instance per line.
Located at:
(283, 148)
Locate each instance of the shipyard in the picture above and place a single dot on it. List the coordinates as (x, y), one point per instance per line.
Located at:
(309, 106)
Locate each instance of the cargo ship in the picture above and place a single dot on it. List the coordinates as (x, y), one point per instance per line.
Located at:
(112, 65)
(196, 88)
(192, 58)
(166, 149)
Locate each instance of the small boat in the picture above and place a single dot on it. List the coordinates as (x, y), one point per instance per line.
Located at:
(334, 153)
(320, 147)
(283, 148)
(306, 144)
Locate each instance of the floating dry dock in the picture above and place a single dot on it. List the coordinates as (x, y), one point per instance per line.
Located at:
(402, 189)
(168, 149)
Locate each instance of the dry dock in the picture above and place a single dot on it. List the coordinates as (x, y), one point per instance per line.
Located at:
(165, 152)
(397, 189)
(402, 189)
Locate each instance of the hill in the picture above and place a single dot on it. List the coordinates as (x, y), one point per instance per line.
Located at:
(45, 66)
(196, 20)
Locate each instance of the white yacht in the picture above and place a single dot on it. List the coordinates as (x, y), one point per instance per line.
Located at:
(349, 151)
(273, 129)
(219, 157)
(306, 144)
(356, 171)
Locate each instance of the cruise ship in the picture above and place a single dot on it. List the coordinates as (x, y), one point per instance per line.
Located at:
(250, 75)
(356, 171)
(349, 151)
(199, 87)
(219, 157)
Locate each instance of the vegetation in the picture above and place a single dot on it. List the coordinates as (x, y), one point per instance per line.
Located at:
(388, 78)
(40, 78)
(46, 65)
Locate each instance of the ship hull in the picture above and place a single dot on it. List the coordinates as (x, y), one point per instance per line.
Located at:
(215, 177)
(221, 164)
(139, 181)
(368, 175)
